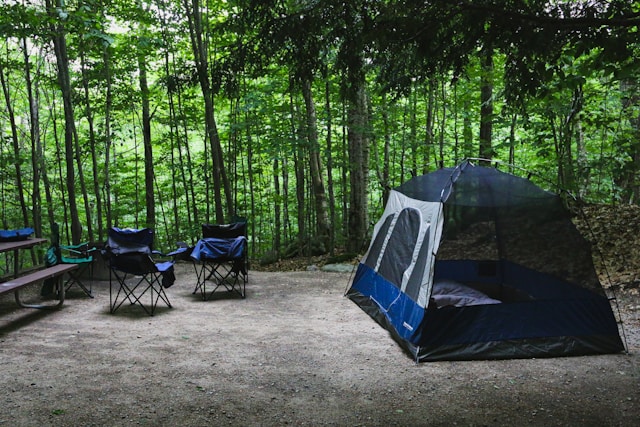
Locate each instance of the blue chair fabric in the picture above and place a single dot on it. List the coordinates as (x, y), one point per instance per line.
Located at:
(221, 259)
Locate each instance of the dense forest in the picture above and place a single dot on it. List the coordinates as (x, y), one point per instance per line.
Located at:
(300, 115)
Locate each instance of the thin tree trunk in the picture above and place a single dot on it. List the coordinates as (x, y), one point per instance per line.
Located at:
(175, 149)
(486, 104)
(429, 124)
(187, 164)
(16, 147)
(37, 137)
(92, 150)
(315, 169)
(59, 163)
(330, 189)
(442, 129)
(344, 175)
(150, 204)
(285, 196)
(299, 174)
(36, 144)
(467, 130)
(252, 184)
(62, 61)
(512, 138)
(277, 215)
(413, 133)
(563, 136)
(383, 166)
(107, 144)
(220, 179)
(358, 167)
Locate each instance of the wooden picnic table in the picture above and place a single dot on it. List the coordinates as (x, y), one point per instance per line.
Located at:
(20, 280)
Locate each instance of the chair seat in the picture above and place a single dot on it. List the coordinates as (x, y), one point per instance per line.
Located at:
(73, 260)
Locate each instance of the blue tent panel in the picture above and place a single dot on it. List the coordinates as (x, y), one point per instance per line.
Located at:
(404, 314)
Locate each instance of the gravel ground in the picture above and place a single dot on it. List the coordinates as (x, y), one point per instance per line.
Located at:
(294, 352)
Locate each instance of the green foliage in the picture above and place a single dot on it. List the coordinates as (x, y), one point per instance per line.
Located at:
(565, 87)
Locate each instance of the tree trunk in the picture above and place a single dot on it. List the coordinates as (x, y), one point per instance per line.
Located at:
(107, 147)
(512, 138)
(330, 189)
(563, 136)
(200, 54)
(442, 127)
(36, 144)
(60, 167)
(277, 215)
(92, 150)
(413, 133)
(315, 169)
(298, 167)
(486, 104)
(16, 147)
(429, 124)
(183, 143)
(358, 140)
(467, 129)
(384, 174)
(150, 204)
(62, 61)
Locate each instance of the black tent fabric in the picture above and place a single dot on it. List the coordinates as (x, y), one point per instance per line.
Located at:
(473, 230)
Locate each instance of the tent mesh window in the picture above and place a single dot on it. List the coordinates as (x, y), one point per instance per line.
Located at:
(376, 246)
(398, 254)
(516, 221)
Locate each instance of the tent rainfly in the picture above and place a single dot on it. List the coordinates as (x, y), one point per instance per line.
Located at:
(474, 263)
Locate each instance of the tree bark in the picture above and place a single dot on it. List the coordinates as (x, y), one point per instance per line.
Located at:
(220, 179)
(358, 141)
(16, 147)
(62, 61)
(107, 146)
(429, 124)
(150, 204)
(384, 172)
(315, 166)
(486, 104)
(92, 149)
(36, 143)
(330, 186)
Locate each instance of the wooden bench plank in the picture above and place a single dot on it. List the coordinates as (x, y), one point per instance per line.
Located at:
(48, 273)
(35, 277)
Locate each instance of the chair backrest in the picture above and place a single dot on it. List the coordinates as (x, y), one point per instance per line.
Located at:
(129, 240)
(129, 250)
(225, 231)
(53, 255)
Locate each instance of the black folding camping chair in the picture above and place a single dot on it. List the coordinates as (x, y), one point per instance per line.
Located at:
(133, 273)
(221, 259)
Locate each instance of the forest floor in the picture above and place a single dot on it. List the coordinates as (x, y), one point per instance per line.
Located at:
(296, 352)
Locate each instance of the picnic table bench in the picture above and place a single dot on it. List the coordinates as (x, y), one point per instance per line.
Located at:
(19, 281)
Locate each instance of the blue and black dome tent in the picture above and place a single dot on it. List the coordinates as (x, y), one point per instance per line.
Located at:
(474, 263)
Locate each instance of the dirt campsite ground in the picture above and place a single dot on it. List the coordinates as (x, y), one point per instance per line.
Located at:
(294, 352)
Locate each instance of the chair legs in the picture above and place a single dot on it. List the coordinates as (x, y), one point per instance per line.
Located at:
(127, 287)
(74, 278)
(228, 275)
